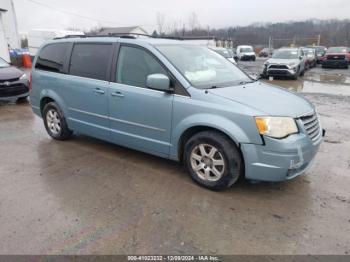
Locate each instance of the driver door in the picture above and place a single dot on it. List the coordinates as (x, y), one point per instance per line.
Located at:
(140, 117)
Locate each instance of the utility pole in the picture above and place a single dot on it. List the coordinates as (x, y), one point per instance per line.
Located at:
(319, 40)
(208, 35)
(270, 44)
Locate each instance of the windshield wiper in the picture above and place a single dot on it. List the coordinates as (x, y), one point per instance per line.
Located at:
(246, 82)
(215, 86)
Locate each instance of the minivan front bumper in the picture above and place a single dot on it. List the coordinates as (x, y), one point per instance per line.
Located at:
(280, 159)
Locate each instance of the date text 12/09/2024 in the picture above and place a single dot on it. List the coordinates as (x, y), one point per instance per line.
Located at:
(173, 258)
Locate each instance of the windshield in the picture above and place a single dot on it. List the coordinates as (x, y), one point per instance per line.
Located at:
(309, 51)
(285, 54)
(202, 67)
(320, 50)
(246, 49)
(225, 53)
(3, 63)
(337, 50)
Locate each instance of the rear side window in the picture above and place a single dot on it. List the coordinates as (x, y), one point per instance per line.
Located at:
(51, 57)
(91, 60)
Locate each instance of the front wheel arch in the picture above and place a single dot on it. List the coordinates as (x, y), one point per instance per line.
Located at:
(187, 134)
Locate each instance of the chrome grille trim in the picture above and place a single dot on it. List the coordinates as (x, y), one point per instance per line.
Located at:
(311, 125)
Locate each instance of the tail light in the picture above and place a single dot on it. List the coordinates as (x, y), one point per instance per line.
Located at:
(30, 82)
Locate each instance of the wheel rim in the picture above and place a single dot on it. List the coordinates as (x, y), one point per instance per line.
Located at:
(53, 122)
(207, 162)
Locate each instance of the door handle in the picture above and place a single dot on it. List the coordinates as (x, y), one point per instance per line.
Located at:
(99, 91)
(117, 94)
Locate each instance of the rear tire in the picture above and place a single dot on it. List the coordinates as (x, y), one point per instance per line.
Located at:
(55, 122)
(212, 160)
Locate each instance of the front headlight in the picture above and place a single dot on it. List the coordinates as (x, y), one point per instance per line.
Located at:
(24, 77)
(276, 127)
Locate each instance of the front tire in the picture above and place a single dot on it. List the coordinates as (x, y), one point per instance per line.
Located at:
(22, 99)
(212, 160)
(55, 122)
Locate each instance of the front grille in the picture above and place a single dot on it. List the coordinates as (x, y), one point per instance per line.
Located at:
(278, 72)
(336, 57)
(13, 90)
(279, 66)
(9, 80)
(311, 125)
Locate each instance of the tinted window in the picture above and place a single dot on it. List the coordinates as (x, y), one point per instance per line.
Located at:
(51, 57)
(90, 60)
(134, 65)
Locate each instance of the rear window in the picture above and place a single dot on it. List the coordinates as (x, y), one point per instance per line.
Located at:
(90, 60)
(51, 57)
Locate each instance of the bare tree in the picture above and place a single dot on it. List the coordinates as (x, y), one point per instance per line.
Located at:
(193, 22)
(160, 22)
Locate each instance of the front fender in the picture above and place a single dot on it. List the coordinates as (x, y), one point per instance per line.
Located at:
(220, 123)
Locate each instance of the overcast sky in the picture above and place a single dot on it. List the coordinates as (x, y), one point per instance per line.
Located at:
(213, 13)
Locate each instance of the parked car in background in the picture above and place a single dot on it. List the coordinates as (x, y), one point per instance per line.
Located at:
(14, 83)
(245, 52)
(177, 101)
(285, 62)
(228, 54)
(265, 52)
(310, 55)
(336, 57)
(320, 52)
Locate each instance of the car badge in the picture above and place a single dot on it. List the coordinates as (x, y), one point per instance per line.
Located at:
(7, 83)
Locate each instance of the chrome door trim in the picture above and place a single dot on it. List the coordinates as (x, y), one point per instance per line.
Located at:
(87, 113)
(137, 124)
(117, 120)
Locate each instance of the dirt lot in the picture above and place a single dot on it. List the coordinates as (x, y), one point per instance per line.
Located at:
(86, 196)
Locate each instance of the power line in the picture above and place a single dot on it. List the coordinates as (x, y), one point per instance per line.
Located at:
(75, 14)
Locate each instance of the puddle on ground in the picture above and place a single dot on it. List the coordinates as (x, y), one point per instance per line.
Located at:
(333, 84)
(337, 78)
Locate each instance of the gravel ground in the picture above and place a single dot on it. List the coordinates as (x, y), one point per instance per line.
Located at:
(85, 196)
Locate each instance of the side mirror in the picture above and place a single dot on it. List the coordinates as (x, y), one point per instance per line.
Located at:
(301, 57)
(159, 82)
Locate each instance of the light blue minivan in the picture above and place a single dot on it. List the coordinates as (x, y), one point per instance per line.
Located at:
(177, 101)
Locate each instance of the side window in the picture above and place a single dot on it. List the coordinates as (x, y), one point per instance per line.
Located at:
(134, 65)
(51, 57)
(90, 60)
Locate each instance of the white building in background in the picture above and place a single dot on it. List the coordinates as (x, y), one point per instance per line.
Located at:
(36, 37)
(9, 36)
(122, 30)
(3, 45)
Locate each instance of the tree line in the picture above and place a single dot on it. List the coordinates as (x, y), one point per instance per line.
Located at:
(332, 32)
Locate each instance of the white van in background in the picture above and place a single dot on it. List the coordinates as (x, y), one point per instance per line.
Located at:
(37, 37)
(245, 52)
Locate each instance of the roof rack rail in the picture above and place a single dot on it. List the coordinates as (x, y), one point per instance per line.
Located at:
(131, 36)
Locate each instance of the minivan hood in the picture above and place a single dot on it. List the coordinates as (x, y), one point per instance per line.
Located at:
(267, 99)
(11, 72)
(282, 61)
